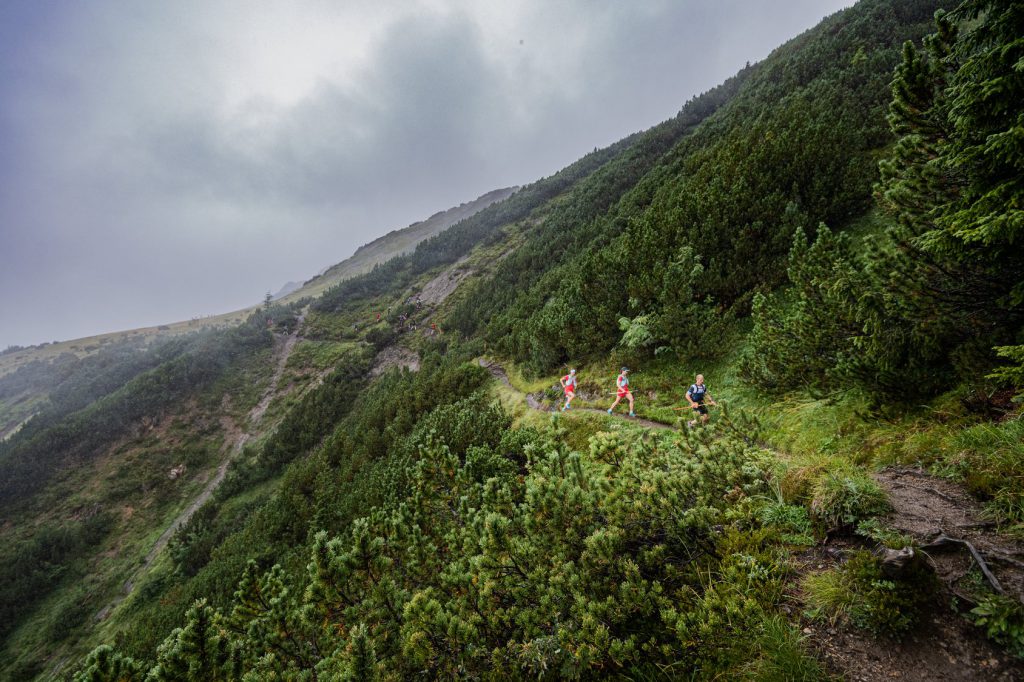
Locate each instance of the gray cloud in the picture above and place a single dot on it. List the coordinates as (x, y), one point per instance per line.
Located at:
(161, 162)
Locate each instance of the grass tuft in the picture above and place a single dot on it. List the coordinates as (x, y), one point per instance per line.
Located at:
(846, 495)
(859, 592)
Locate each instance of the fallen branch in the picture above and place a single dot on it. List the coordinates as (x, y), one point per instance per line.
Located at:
(943, 541)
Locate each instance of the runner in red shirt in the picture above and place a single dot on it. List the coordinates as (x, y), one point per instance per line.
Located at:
(622, 386)
(569, 386)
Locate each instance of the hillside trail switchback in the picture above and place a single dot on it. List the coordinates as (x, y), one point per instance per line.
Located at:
(235, 441)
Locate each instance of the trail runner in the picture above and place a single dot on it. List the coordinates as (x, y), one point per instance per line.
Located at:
(622, 386)
(569, 386)
(696, 394)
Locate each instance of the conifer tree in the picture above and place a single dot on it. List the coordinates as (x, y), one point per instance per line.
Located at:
(104, 664)
(266, 618)
(947, 284)
(804, 337)
(201, 651)
(985, 227)
(988, 118)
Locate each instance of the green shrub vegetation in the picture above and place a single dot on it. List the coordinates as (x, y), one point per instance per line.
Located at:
(859, 591)
(831, 237)
(1002, 618)
(508, 553)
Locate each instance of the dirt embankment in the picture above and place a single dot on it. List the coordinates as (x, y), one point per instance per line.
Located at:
(945, 646)
(441, 287)
(395, 356)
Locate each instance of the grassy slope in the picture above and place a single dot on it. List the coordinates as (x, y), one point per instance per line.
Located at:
(131, 484)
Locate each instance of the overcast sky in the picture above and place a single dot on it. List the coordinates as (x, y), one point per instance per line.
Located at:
(160, 161)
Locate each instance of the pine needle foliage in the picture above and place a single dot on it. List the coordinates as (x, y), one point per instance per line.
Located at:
(633, 554)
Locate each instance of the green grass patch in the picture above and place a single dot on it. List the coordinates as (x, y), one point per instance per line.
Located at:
(792, 522)
(780, 654)
(858, 591)
(319, 355)
(845, 495)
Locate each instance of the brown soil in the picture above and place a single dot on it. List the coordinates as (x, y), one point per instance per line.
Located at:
(944, 646)
(926, 506)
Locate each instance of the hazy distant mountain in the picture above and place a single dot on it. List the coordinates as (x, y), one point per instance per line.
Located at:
(394, 243)
(288, 288)
(398, 242)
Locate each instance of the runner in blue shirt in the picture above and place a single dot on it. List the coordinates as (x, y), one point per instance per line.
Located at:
(696, 394)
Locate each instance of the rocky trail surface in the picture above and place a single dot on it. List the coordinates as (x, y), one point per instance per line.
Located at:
(945, 646)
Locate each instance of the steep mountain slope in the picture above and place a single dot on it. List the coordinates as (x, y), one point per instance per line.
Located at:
(41, 369)
(690, 241)
(398, 512)
(394, 243)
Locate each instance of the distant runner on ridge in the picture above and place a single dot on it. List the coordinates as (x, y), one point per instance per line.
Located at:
(695, 394)
(569, 386)
(622, 386)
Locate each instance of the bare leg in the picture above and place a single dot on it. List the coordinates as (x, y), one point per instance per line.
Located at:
(630, 397)
(617, 399)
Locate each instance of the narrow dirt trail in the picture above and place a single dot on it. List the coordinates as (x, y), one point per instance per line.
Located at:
(498, 372)
(234, 443)
(926, 507)
(944, 645)
(17, 427)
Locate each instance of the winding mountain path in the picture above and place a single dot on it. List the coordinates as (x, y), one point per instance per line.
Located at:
(498, 372)
(240, 438)
(944, 645)
(235, 441)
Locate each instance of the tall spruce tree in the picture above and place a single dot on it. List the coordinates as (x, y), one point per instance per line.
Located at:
(947, 282)
(985, 226)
